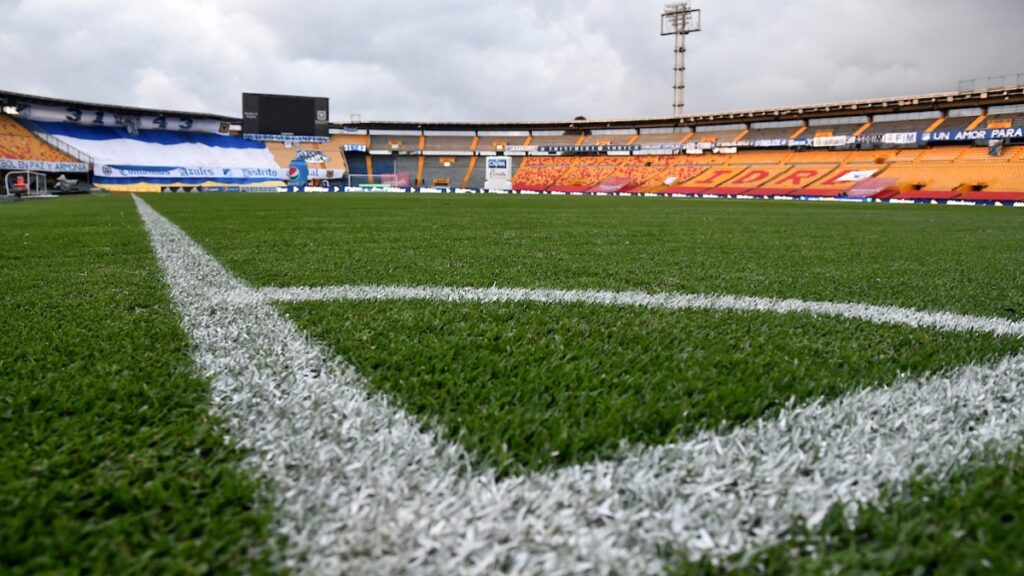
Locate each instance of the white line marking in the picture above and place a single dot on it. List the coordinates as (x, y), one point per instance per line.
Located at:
(361, 488)
(944, 321)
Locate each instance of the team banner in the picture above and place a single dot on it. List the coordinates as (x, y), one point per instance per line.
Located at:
(833, 141)
(50, 167)
(971, 135)
(776, 143)
(901, 138)
(101, 119)
(210, 174)
(287, 138)
(188, 173)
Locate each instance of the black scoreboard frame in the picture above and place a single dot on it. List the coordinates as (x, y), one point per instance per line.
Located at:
(279, 114)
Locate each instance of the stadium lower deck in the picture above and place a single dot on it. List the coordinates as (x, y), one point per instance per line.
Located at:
(938, 153)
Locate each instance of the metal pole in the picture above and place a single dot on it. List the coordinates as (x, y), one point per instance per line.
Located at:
(680, 73)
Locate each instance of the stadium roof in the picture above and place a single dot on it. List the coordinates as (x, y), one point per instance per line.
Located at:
(10, 98)
(905, 104)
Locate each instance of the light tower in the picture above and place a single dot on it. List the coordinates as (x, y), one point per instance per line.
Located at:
(679, 20)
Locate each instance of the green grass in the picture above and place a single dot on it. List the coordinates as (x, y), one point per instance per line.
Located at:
(110, 462)
(974, 524)
(931, 257)
(526, 386)
(529, 386)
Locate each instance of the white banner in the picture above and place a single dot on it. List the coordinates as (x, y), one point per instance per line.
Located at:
(900, 138)
(210, 174)
(833, 141)
(857, 176)
(498, 175)
(83, 116)
(183, 172)
(37, 166)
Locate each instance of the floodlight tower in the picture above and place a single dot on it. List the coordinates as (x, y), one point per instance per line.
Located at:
(679, 20)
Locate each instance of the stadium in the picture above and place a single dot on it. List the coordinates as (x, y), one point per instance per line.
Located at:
(781, 340)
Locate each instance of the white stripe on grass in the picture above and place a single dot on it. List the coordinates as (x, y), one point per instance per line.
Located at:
(944, 321)
(362, 488)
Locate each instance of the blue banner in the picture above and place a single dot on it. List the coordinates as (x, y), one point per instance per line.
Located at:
(182, 173)
(287, 138)
(972, 135)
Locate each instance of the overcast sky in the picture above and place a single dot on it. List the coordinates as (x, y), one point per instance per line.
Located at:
(499, 60)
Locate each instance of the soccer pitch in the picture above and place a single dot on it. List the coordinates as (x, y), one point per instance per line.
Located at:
(417, 384)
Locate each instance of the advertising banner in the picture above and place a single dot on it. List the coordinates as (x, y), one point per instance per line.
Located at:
(499, 173)
(188, 173)
(49, 167)
(901, 138)
(972, 135)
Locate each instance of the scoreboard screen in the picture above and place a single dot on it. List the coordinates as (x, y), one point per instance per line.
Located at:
(295, 115)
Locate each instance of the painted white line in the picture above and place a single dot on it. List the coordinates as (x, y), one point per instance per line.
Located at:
(943, 321)
(361, 488)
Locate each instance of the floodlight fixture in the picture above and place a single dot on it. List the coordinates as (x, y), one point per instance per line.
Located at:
(679, 20)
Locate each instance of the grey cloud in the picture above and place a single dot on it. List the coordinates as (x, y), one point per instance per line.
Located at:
(528, 59)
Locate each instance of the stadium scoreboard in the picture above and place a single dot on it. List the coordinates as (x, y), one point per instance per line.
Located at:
(292, 115)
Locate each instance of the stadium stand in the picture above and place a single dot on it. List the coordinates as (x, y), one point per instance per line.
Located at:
(778, 152)
(540, 173)
(761, 157)
(883, 126)
(564, 139)
(476, 174)
(660, 138)
(394, 142)
(150, 160)
(384, 164)
(751, 180)
(1004, 121)
(587, 172)
(939, 173)
(329, 156)
(957, 123)
(610, 139)
(723, 135)
(798, 178)
(499, 143)
(19, 143)
(706, 180)
(448, 143)
(828, 128)
(408, 165)
(776, 133)
(444, 172)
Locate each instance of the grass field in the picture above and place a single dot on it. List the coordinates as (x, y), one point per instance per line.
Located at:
(118, 464)
(110, 461)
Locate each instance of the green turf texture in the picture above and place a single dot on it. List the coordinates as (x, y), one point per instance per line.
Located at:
(930, 257)
(973, 524)
(529, 386)
(936, 258)
(110, 462)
